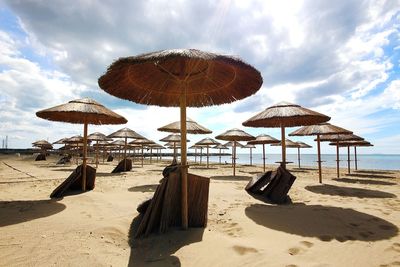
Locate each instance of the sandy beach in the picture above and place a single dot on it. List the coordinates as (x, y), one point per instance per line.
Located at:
(348, 222)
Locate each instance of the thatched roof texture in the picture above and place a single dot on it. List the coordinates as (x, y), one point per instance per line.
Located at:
(126, 133)
(288, 142)
(264, 139)
(287, 115)
(83, 110)
(303, 145)
(235, 135)
(340, 137)
(320, 129)
(156, 78)
(192, 127)
(207, 142)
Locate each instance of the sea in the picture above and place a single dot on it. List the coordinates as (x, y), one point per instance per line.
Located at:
(364, 161)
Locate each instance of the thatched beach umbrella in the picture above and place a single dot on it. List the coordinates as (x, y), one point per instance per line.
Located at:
(125, 133)
(97, 136)
(142, 143)
(339, 138)
(85, 111)
(207, 142)
(220, 147)
(75, 142)
(235, 135)
(42, 144)
(103, 144)
(283, 115)
(181, 78)
(250, 146)
(355, 144)
(192, 127)
(301, 145)
(318, 130)
(264, 139)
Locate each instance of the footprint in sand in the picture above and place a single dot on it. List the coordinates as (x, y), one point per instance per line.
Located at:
(307, 244)
(295, 251)
(241, 250)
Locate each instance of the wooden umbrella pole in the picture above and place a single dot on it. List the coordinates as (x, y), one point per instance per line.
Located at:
(77, 153)
(142, 156)
(348, 159)
(283, 143)
(195, 155)
(183, 158)
(319, 159)
(264, 156)
(97, 154)
(201, 155)
(234, 158)
(337, 158)
(251, 156)
(126, 140)
(175, 151)
(355, 157)
(151, 153)
(85, 126)
(298, 156)
(220, 151)
(207, 157)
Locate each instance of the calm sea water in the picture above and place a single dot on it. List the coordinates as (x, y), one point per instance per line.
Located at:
(380, 162)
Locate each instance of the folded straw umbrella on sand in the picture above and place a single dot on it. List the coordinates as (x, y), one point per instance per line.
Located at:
(220, 147)
(207, 142)
(125, 133)
(85, 111)
(283, 115)
(355, 144)
(318, 130)
(181, 78)
(250, 146)
(263, 139)
(301, 145)
(235, 135)
(339, 138)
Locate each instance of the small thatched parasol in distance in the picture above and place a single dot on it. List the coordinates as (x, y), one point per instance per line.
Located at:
(125, 133)
(318, 130)
(207, 142)
(43, 145)
(154, 146)
(173, 139)
(355, 144)
(301, 145)
(97, 136)
(103, 144)
(220, 147)
(142, 143)
(60, 141)
(264, 139)
(250, 146)
(85, 111)
(181, 78)
(235, 135)
(192, 127)
(339, 138)
(75, 142)
(283, 115)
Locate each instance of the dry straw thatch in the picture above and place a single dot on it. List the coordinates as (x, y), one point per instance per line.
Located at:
(287, 115)
(83, 110)
(126, 133)
(288, 142)
(303, 145)
(192, 127)
(353, 143)
(211, 79)
(235, 135)
(340, 137)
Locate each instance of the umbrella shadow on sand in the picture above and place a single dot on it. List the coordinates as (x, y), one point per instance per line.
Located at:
(362, 181)
(334, 190)
(144, 188)
(371, 175)
(158, 250)
(18, 211)
(231, 178)
(323, 222)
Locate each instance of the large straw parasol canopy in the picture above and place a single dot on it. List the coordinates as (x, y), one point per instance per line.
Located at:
(320, 130)
(41, 143)
(192, 127)
(85, 111)
(181, 78)
(340, 137)
(155, 78)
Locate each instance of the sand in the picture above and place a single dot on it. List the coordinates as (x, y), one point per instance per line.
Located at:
(349, 222)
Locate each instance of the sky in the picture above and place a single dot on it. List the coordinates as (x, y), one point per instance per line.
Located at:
(340, 58)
